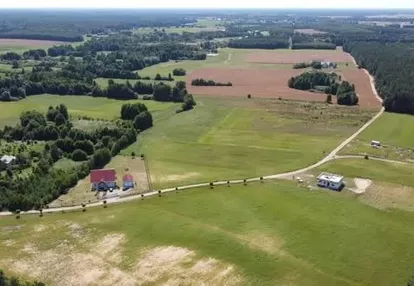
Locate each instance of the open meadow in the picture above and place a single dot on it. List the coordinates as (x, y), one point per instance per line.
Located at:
(394, 131)
(228, 138)
(78, 106)
(260, 234)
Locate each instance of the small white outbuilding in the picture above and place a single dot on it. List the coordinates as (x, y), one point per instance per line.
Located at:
(330, 181)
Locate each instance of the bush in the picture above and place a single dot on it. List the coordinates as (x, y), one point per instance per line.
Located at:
(143, 121)
(179, 72)
(79, 155)
(349, 98)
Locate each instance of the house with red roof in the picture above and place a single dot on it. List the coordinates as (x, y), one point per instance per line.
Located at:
(103, 179)
(127, 181)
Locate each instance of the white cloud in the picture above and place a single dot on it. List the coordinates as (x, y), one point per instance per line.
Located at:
(207, 4)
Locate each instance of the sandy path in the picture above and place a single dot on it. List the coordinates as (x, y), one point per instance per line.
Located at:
(228, 59)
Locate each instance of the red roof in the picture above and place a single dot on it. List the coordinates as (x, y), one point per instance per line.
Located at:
(127, 178)
(102, 175)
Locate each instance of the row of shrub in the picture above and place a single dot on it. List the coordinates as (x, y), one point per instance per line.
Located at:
(203, 82)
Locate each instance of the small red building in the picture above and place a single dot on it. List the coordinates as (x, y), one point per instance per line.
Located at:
(127, 182)
(103, 179)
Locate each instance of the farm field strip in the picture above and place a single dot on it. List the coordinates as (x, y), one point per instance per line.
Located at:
(22, 45)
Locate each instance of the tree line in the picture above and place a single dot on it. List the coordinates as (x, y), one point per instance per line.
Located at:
(260, 42)
(392, 65)
(203, 82)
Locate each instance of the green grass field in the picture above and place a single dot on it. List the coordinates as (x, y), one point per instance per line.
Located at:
(235, 138)
(261, 234)
(101, 108)
(394, 131)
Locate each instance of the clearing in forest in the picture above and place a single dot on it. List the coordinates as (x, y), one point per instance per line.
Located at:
(21, 45)
(309, 31)
(298, 56)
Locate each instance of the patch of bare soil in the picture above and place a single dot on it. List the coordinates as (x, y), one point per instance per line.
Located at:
(176, 177)
(39, 228)
(361, 185)
(264, 242)
(9, 242)
(389, 196)
(101, 265)
(179, 266)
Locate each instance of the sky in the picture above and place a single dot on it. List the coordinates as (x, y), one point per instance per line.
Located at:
(358, 4)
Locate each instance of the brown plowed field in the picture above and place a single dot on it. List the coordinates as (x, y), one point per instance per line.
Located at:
(257, 82)
(27, 43)
(362, 86)
(298, 56)
(273, 84)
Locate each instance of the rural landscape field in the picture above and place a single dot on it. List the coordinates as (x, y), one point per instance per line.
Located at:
(206, 148)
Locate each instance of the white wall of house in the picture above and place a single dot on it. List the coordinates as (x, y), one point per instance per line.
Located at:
(329, 184)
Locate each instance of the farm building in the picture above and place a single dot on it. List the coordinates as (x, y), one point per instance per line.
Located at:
(330, 181)
(103, 179)
(6, 161)
(127, 182)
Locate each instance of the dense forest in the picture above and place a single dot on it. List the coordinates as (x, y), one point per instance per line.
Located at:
(70, 26)
(392, 65)
(260, 42)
